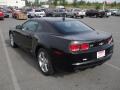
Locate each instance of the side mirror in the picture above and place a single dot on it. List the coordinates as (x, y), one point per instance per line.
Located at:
(18, 27)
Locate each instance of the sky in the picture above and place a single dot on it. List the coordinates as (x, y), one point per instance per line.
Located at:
(87, 0)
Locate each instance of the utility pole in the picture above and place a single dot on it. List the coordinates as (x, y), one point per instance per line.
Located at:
(104, 5)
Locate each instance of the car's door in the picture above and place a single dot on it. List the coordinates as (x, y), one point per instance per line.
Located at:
(26, 34)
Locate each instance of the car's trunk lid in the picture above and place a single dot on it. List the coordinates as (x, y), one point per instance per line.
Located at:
(88, 36)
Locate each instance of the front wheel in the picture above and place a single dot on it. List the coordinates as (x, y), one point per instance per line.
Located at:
(82, 17)
(44, 62)
(12, 43)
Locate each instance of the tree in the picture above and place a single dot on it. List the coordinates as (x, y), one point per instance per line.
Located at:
(98, 6)
(88, 3)
(113, 4)
(27, 3)
(55, 2)
(82, 2)
(63, 2)
(36, 3)
(75, 3)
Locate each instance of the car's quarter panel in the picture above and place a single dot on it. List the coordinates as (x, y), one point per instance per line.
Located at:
(52, 41)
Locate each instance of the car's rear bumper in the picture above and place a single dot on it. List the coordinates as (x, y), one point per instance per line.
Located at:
(79, 59)
(91, 63)
(1, 17)
(6, 16)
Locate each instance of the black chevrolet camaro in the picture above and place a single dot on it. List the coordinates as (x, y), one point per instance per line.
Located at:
(63, 42)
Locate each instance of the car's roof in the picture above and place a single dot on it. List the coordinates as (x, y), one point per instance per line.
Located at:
(53, 19)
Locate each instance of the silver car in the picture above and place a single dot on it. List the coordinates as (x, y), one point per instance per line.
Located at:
(75, 12)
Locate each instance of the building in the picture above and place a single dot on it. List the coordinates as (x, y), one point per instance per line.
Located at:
(17, 3)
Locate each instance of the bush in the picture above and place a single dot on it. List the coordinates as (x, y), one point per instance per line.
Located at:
(98, 6)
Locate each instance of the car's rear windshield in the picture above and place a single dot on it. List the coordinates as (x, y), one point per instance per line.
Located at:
(71, 27)
(38, 10)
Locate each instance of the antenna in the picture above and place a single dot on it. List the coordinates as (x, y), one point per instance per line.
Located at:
(64, 17)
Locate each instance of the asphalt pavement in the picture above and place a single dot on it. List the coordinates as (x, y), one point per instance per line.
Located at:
(19, 70)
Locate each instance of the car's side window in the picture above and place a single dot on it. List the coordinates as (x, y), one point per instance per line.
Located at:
(30, 26)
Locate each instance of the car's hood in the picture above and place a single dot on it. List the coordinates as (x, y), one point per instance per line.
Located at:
(89, 36)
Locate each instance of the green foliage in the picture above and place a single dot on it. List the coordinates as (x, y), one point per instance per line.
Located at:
(98, 6)
(82, 2)
(36, 3)
(75, 3)
(63, 2)
(88, 3)
(55, 2)
(113, 4)
(27, 3)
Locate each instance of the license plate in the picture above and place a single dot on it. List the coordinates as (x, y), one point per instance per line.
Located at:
(101, 54)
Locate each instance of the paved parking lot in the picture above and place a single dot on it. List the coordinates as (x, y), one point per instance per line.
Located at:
(19, 70)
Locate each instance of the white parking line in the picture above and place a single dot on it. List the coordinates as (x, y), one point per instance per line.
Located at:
(113, 66)
(14, 79)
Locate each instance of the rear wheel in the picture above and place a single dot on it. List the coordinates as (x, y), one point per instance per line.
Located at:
(44, 62)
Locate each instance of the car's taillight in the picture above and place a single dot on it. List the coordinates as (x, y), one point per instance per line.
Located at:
(1, 14)
(84, 46)
(75, 47)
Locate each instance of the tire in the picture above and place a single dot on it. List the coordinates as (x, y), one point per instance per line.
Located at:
(74, 16)
(44, 62)
(3, 19)
(17, 17)
(96, 16)
(12, 43)
(29, 16)
(82, 17)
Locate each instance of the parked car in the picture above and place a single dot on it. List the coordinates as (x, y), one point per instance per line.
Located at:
(6, 14)
(75, 13)
(19, 15)
(114, 11)
(60, 7)
(118, 13)
(59, 12)
(14, 12)
(49, 12)
(63, 42)
(108, 13)
(95, 13)
(105, 13)
(36, 13)
(1, 15)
